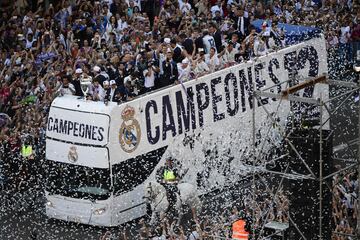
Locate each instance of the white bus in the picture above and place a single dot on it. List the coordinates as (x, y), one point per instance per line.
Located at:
(100, 156)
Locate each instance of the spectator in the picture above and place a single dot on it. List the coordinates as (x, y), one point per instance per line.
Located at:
(230, 55)
(149, 75)
(217, 8)
(208, 41)
(212, 60)
(260, 48)
(200, 66)
(184, 70)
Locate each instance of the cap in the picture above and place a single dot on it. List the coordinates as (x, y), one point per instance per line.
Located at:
(79, 70)
(167, 40)
(96, 69)
(112, 82)
(105, 83)
(185, 61)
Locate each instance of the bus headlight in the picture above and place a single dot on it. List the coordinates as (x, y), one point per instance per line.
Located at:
(99, 211)
(49, 204)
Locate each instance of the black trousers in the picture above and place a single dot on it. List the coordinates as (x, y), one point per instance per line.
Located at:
(171, 190)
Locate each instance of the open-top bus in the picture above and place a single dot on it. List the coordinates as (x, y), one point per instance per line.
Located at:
(100, 156)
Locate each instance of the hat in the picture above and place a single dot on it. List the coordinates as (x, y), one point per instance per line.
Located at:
(106, 82)
(167, 40)
(96, 69)
(79, 71)
(185, 61)
(112, 82)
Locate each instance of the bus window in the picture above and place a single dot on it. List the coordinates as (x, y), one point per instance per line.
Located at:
(77, 181)
(133, 172)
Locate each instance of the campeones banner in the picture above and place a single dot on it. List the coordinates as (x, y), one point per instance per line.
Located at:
(218, 101)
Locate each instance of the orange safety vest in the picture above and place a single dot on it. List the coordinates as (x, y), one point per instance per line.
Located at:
(238, 230)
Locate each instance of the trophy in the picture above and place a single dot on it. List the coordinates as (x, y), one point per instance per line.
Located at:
(85, 84)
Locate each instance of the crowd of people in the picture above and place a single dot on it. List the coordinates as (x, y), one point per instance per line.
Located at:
(345, 194)
(123, 49)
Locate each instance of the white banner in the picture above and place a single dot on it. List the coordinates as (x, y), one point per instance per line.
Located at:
(212, 100)
(216, 112)
(75, 126)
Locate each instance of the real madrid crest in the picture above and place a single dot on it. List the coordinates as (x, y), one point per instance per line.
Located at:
(72, 155)
(130, 132)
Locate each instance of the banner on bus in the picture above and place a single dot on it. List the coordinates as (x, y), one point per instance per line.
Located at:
(219, 102)
(78, 127)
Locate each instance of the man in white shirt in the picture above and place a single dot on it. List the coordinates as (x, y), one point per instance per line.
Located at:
(260, 48)
(184, 70)
(212, 60)
(149, 78)
(201, 68)
(229, 54)
(185, 7)
(208, 41)
(217, 7)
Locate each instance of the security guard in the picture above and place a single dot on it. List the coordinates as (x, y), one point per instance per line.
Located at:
(167, 176)
(28, 173)
(27, 150)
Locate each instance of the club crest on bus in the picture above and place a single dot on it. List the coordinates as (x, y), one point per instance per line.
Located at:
(130, 132)
(72, 155)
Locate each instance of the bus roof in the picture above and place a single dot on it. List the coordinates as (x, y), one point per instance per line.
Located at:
(74, 103)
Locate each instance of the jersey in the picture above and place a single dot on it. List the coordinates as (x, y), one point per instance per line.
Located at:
(209, 42)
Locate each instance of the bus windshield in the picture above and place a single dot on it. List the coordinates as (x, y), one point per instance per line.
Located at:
(77, 181)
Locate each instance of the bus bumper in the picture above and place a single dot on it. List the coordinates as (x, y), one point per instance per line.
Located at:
(79, 210)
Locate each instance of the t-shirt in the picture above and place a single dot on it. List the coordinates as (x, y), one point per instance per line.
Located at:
(214, 9)
(229, 57)
(184, 73)
(149, 80)
(67, 90)
(185, 8)
(208, 42)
